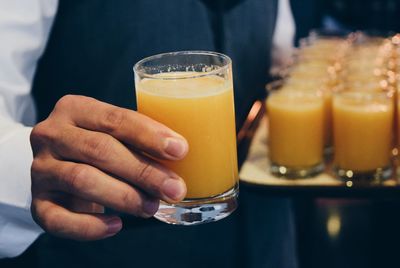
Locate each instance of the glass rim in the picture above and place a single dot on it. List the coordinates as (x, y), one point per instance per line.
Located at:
(293, 93)
(364, 95)
(286, 84)
(143, 74)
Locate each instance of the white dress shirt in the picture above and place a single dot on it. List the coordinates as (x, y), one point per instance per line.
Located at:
(283, 39)
(24, 30)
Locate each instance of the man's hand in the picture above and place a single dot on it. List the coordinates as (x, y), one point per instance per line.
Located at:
(89, 155)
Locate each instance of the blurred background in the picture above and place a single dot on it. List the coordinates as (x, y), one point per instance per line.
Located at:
(351, 15)
(348, 231)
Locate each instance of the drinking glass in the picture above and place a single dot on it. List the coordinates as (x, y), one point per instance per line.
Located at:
(191, 92)
(296, 132)
(363, 135)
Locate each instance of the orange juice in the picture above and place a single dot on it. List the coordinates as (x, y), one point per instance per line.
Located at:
(202, 110)
(319, 88)
(296, 129)
(328, 140)
(363, 131)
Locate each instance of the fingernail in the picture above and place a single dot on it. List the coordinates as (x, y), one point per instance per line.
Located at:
(150, 207)
(114, 225)
(176, 147)
(174, 189)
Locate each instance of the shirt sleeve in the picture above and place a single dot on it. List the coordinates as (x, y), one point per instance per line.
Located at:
(24, 30)
(283, 40)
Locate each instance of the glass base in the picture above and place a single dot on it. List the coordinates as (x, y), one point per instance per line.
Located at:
(293, 173)
(374, 176)
(199, 211)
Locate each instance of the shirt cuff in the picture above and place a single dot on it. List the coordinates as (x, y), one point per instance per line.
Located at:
(17, 228)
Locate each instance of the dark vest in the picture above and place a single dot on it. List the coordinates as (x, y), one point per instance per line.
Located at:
(95, 43)
(91, 51)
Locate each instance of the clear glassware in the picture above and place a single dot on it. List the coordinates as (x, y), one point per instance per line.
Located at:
(363, 135)
(192, 93)
(296, 131)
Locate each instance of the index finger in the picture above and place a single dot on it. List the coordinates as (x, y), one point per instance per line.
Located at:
(130, 127)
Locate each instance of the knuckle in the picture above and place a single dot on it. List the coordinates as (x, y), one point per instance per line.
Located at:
(51, 221)
(128, 201)
(145, 172)
(65, 102)
(98, 148)
(40, 133)
(76, 178)
(34, 210)
(36, 168)
(132, 203)
(39, 178)
(114, 119)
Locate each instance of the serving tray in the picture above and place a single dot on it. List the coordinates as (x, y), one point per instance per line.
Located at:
(255, 170)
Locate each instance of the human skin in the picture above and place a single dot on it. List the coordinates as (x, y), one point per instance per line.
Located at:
(89, 155)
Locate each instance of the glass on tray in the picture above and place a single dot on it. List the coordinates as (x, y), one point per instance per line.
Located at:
(323, 88)
(363, 135)
(295, 132)
(356, 80)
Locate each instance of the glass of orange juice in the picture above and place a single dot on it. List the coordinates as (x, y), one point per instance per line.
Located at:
(317, 86)
(363, 135)
(191, 92)
(296, 132)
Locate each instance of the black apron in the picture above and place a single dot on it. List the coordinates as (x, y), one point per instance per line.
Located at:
(91, 51)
